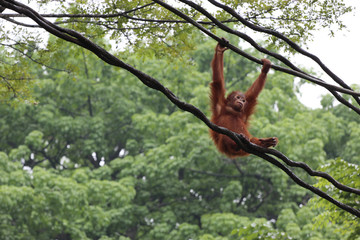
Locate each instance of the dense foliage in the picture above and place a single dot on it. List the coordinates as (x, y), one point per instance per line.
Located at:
(102, 156)
(88, 152)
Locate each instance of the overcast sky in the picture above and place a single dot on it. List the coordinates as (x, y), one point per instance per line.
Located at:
(341, 54)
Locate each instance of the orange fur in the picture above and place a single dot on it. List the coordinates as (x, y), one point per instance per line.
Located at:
(234, 111)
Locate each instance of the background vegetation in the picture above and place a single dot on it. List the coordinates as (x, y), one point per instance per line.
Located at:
(92, 153)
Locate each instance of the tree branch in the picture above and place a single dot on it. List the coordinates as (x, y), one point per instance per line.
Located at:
(113, 15)
(294, 72)
(285, 39)
(12, 46)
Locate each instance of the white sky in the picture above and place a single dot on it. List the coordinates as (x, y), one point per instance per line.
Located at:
(339, 54)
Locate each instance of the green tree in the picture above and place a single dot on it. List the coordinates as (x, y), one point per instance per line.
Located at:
(179, 185)
(101, 156)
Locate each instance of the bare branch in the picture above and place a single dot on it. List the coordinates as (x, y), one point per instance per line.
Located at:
(8, 17)
(312, 172)
(313, 189)
(17, 22)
